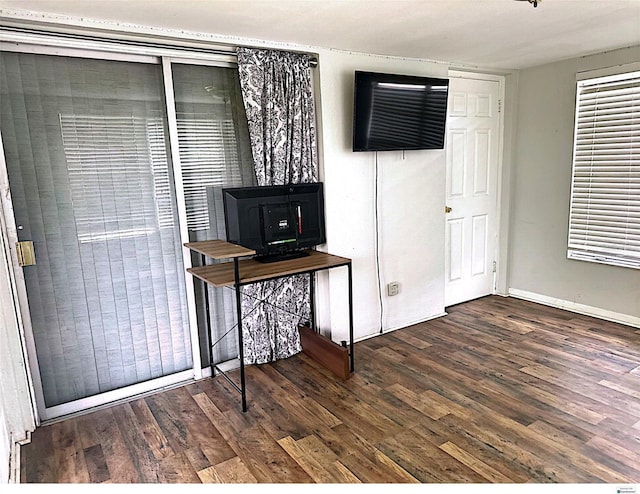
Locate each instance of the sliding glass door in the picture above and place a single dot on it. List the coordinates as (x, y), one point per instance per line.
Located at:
(214, 152)
(113, 161)
(92, 186)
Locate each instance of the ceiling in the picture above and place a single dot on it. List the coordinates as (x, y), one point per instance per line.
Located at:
(490, 34)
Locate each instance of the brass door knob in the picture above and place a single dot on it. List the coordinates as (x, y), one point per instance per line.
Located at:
(447, 209)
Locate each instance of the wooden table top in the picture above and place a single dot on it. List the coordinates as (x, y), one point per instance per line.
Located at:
(251, 271)
(219, 249)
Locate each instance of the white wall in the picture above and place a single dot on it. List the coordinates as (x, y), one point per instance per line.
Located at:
(542, 183)
(411, 189)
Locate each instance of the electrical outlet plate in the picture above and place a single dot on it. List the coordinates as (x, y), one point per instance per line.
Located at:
(393, 288)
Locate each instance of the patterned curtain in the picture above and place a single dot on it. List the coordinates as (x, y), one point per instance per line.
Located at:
(276, 89)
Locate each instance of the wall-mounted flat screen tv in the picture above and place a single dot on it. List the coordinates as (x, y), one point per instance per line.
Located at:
(399, 112)
(278, 221)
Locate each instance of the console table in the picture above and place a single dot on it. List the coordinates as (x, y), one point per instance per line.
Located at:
(244, 270)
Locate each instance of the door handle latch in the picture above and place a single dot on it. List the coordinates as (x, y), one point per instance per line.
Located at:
(447, 209)
(26, 253)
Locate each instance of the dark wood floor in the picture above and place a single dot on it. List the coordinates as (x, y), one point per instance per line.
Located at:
(500, 390)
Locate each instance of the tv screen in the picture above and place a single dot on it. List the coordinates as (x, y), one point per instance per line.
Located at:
(277, 221)
(399, 112)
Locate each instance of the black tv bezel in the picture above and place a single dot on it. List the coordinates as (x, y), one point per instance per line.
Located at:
(392, 78)
(271, 195)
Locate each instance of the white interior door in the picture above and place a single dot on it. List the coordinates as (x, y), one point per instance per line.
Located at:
(473, 127)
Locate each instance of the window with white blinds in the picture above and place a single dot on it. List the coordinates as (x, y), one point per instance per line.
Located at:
(604, 222)
(209, 158)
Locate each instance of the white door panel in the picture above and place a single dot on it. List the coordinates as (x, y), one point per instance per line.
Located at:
(473, 126)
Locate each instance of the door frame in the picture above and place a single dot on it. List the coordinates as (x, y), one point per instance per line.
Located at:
(461, 74)
(16, 280)
(46, 45)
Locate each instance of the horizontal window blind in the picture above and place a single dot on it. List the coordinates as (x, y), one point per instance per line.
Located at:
(110, 159)
(209, 157)
(604, 223)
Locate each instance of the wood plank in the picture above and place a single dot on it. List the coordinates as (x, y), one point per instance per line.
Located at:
(103, 428)
(209, 476)
(177, 469)
(385, 402)
(435, 465)
(309, 464)
(361, 457)
(343, 474)
(197, 458)
(413, 340)
(536, 469)
(259, 452)
(620, 459)
(575, 465)
(139, 453)
(423, 402)
(326, 352)
(365, 418)
(69, 454)
(635, 393)
(397, 471)
(96, 464)
(217, 417)
(439, 432)
(313, 447)
(474, 464)
(267, 461)
(185, 424)
(234, 471)
(37, 459)
(557, 435)
(604, 395)
(384, 367)
(150, 429)
(278, 417)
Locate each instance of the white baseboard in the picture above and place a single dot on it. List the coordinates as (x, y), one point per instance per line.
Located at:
(586, 310)
(408, 324)
(389, 330)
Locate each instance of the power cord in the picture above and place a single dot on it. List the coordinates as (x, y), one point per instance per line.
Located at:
(377, 242)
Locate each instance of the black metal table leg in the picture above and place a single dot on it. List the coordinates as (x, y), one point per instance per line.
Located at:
(243, 391)
(312, 302)
(351, 354)
(207, 312)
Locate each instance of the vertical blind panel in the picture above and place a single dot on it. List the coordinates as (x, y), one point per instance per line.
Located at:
(604, 223)
(91, 184)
